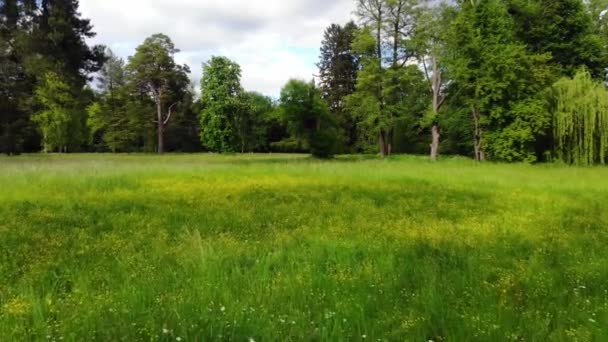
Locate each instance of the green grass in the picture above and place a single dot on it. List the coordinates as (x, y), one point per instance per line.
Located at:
(284, 248)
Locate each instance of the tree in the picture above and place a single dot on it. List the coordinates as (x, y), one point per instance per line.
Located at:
(564, 29)
(498, 80)
(580, 120)
(153, 71)
(372, 14)
(111, 125)
(38, 38)
(59, 122)
(223, 104)
(385, 96)
(13, 118)
(384, 46)
(255, 122)
(308, 117)
(430, 42)
(58, 42)
(184, 134)
(338, 68)
(401, 22)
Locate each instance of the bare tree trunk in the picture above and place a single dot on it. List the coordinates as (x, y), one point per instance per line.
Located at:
(396, 12)
(479, 143)
(389, 142)
(395, 43)
(437, 103)
(382, 143)
(161, 127)
(435, 142)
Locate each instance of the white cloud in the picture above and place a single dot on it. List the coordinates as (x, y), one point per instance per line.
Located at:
(272, 40)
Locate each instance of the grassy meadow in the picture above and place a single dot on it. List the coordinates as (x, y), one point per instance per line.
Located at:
(286, 248)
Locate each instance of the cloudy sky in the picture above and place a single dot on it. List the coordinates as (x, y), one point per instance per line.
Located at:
(272, 40)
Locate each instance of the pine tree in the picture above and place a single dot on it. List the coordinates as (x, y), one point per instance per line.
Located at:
(338, 67)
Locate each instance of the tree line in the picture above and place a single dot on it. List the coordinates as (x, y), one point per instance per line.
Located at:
(504, 80)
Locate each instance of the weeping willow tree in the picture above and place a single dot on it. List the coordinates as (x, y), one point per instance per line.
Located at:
(580, 120)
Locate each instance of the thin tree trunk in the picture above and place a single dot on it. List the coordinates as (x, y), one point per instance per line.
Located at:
(437, 102)
(382, 143)
(396, 44)
(379, 23)
(435, 142)
(479, 148)
(161, 127)
(396, 32)
(389, 142)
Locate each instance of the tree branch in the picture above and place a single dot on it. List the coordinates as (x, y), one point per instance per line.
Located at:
(441, 102)
(426, 73)
(153, 91)
(169, 114)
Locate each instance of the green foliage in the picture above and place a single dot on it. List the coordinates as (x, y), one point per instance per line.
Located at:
(390, 90)
(580, 120)
(183, 135)
(224, 106)
(152, 71)
(255, 122)
(565, 30)
(499, 81)
(308, 117)
(61, 120)
(290, 145)
(384, 96)
(112, 126)
(338, 68)
(38, 38)
(283, 247)
(55, 41)
(488, 67)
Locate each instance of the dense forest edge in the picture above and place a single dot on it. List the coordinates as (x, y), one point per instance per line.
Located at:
(500, 80)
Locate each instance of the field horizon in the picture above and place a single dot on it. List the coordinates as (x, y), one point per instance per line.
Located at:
(283, 247)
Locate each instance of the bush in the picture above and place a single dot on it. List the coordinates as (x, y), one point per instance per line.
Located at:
(323, 143)
(290, 145)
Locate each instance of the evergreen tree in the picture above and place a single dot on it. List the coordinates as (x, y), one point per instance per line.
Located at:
(112, 127)
(16, 87)
(338, 68)
(38, 38)
(152, 71)
(58, 43)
